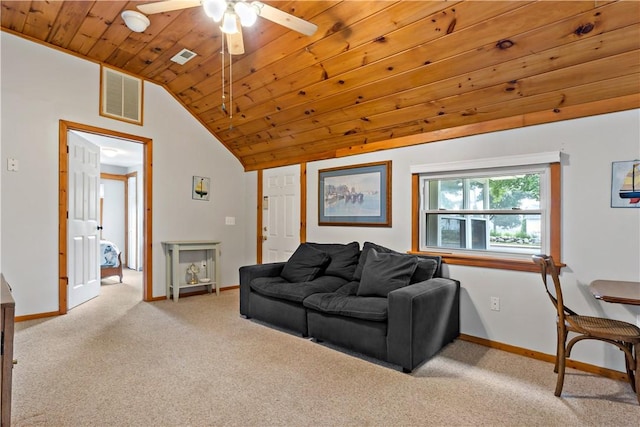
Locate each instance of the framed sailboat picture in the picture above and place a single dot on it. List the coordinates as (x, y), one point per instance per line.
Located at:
(201, 188)
(625, 184)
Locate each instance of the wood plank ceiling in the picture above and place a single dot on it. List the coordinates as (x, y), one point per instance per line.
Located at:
(376, 74)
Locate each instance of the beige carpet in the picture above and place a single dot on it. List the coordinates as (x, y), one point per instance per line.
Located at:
(117, 361)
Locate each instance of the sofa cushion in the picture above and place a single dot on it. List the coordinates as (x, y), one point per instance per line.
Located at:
(278, 287)
(366, 308)
(425, 269)
(357, 275)
(344, 258)
(350, 288)
(305, 264)
(385, 272)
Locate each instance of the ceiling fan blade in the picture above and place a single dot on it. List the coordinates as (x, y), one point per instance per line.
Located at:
(285, 19)
(235, 42)
(167, 6)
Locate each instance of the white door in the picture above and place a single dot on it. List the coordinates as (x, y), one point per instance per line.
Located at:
(83, 242)
(280, 213)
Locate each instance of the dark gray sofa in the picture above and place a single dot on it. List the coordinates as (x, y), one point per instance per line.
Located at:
(391, 306)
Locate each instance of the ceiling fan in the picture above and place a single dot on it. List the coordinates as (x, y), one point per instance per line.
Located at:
(231, 13)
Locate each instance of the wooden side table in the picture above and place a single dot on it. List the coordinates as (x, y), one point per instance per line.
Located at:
(176, 276)
(616, 291)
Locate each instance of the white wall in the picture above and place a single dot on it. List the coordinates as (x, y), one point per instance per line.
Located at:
(597, 241)
(140, 213)
(44, 86)
(113, 213)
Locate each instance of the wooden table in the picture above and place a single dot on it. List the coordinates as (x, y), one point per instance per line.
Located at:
(616, 291)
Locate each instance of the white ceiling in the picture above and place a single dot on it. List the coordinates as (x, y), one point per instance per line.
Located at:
(129, 153)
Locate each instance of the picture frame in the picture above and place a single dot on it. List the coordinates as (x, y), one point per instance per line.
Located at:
(201, 188)
(358, 195)
(625, 184)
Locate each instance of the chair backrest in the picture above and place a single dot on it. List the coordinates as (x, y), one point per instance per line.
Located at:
(548, 268)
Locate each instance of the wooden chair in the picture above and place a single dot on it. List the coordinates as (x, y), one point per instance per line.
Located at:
(623, 335)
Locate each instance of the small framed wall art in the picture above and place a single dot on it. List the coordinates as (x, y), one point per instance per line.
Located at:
(625, 184)
(201, 188)
(358, 195)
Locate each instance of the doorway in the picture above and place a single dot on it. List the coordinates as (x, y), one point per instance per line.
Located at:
(145, 218)
(282, 217)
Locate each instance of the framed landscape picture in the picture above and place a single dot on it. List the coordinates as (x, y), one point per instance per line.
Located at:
(358, 195)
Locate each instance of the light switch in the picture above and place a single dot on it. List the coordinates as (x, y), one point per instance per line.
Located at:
(230, 220)
(12, 165)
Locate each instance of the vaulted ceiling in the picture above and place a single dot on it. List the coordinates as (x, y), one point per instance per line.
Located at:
(376, 74)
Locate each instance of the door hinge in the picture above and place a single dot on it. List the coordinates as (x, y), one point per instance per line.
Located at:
(2, 344)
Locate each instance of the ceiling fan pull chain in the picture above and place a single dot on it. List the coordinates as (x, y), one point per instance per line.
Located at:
(230, 93)
(224, 108)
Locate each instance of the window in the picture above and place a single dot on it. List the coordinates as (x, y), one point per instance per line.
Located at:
(493, 212)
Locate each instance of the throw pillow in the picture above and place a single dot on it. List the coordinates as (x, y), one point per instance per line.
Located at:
(305, 264)
(357, 275)
(425, 269)
(344, 258)
(385, 272)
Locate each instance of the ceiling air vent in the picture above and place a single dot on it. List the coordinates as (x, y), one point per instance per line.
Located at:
(183, 56)
(121, 96)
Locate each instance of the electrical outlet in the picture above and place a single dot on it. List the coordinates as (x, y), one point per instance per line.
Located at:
(495, 303)
(12, 165)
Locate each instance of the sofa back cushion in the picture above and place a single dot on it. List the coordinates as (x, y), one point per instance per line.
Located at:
(357, 275)
(305, 264)
(344, 258)
(437, 259)
(425, 269)
(385, 272)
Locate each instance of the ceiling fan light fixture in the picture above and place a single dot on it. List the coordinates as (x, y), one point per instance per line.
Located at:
(247, 13)
(108, 151)
(214, 9)
(135, 20)
(229, 23)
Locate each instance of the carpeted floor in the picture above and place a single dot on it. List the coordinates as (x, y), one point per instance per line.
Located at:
(118, 361)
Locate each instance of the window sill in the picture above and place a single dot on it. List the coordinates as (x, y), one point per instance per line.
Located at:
(485, 262)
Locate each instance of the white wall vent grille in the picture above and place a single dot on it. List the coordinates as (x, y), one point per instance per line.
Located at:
(120, 96)
(183, 56)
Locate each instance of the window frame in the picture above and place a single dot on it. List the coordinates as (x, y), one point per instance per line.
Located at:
(493, 260)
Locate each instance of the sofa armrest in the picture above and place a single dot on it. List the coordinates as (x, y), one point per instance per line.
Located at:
(423, 318)
(250, 272)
